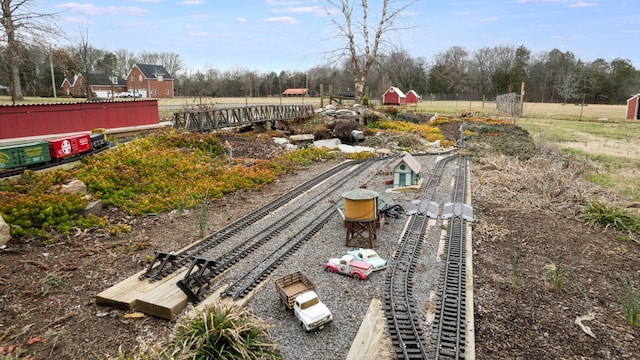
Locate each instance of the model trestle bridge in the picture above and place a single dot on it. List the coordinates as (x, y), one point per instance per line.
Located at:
(257, 116)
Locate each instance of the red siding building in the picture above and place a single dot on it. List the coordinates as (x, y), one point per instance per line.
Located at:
(633, 108)
(394, 96)
(412, 97)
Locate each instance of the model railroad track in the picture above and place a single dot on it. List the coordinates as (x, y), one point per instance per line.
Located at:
(202, 270)
(255, 276)
(165, 263)
(400, 308)
(449, 326)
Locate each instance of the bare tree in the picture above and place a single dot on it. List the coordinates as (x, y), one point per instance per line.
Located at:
(124, 62)
(22, 25)
(171, 61)
(363, 44)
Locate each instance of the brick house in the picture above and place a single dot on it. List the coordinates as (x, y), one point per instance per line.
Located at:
(101, 85)
(152, 81)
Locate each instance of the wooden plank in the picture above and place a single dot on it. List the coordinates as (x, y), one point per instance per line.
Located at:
(165, 301)
(124, 295)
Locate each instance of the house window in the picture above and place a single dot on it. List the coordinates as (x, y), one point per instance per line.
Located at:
(166, 92)
(402, 167)
(160, 77)
(153, 91)
(140, 77)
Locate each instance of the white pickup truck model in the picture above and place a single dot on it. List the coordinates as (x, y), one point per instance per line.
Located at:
(297, 292)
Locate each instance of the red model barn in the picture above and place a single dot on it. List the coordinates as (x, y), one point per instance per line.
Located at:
(394, 96)
(633, 108)
(412, 97)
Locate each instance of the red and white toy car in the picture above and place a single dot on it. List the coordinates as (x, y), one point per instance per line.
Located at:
(347, 265)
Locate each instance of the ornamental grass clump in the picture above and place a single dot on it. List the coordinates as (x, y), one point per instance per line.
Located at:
(603, 215)
(221, 331)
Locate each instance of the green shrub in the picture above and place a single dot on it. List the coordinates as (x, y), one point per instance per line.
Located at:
(408, 117)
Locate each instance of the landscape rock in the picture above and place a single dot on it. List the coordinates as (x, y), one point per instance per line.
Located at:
(93, 208)
(74, 186)
(302, 138)
(5, 232)
(327, 143)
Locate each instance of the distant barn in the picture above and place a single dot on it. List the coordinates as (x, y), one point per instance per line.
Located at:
(412, 97)
(633, 108)
(295, 92)
(394, 96)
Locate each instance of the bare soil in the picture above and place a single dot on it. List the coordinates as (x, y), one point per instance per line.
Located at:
(47, 291)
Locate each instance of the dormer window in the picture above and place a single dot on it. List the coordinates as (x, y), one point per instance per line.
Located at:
(114, 80)
(160, 77)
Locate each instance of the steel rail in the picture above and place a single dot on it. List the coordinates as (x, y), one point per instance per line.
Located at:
(195, 283)
(406, 332)
(450, 326)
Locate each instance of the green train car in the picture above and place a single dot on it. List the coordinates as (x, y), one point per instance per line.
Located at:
(13, 156)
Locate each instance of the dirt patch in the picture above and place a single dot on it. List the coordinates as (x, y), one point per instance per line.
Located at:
(526, 225)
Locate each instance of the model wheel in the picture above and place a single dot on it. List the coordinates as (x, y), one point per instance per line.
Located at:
(356, 276)
(328, 269)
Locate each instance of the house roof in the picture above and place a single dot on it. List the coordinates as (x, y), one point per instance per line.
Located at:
(396, 90)
(101, 78)
(411, 162)
(295, 91)
(413, 92)
(633, 97)
(152, 71)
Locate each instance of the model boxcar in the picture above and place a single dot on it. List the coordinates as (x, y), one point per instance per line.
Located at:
(69, 146)
(18, 155)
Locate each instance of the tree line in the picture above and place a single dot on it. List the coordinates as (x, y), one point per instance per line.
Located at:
(553, 76)
(29, 66)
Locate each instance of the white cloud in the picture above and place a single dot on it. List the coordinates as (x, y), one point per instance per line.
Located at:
(491, 19)
(241, 20)
(191, 2)
(282, 19)
(305, 10)
(91, 9)
(580, 4)
(198, 33)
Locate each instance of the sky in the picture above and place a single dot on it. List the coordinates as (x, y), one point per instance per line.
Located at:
(296, 35)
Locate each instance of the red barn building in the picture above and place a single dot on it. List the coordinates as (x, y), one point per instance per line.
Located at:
(633, 108)
(394, 96)
(153, 81)
(412, 97)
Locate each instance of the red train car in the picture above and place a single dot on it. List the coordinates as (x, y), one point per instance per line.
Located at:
(69, 146)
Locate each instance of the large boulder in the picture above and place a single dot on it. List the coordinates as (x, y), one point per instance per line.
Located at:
(74, 186)
(5, 232)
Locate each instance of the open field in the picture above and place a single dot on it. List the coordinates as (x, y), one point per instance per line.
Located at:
(531, 110)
